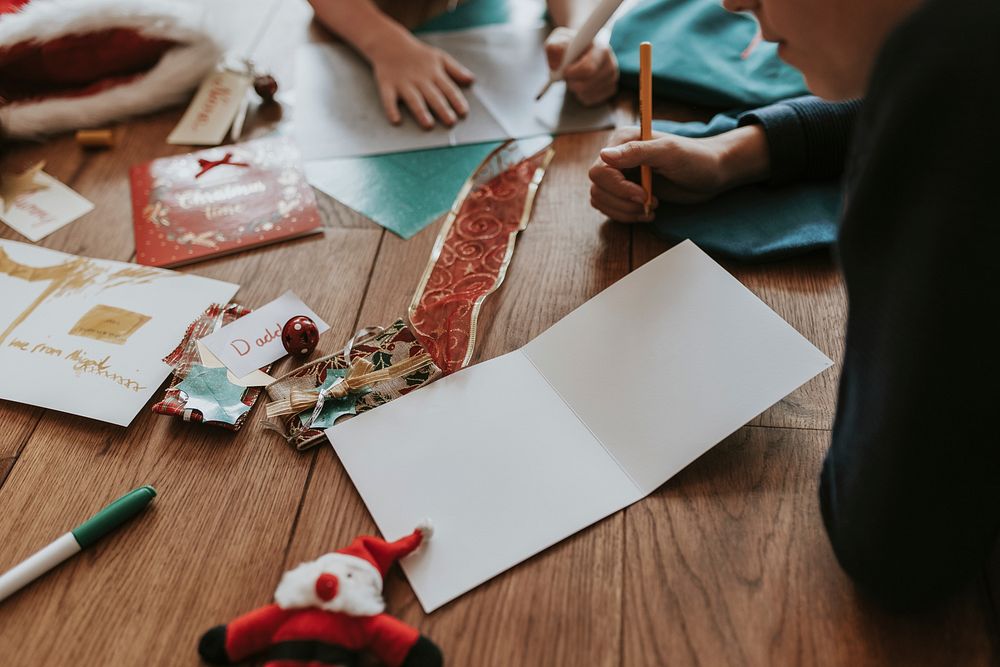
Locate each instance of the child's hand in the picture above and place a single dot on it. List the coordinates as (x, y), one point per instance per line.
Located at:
(685, 170)
(425, 78)
(593, 77)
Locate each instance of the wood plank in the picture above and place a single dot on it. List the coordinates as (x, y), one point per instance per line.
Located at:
(542, 612)
(18, 423)
(728, 564)
(808, 293)
(5, 467)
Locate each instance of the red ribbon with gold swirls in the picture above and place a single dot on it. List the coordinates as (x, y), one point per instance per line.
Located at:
(474, 248)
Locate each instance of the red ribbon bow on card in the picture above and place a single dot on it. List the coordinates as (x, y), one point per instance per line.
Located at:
(212, 164)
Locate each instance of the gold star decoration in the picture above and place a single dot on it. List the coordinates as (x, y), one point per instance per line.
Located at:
(13, 186)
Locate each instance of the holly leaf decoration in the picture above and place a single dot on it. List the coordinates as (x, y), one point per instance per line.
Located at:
(418, 377)
(333, 408)
(381, 360)
(210, 392)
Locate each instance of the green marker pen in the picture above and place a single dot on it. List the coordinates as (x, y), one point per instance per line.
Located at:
(76, 540)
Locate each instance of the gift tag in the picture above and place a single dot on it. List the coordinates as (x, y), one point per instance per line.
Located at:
(36, 204)
(212, 110)
(254, 340)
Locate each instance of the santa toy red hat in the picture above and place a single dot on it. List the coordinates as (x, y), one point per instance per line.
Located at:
(383, 554)
(71, 64)
(323, 582)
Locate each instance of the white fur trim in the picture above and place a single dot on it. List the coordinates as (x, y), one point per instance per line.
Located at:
(426, 529)
(169, 82)
(359, 592)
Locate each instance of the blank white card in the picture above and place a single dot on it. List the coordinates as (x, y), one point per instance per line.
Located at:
(512, 455)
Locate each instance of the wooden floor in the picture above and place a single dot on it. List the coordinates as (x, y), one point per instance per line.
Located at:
(726, 564)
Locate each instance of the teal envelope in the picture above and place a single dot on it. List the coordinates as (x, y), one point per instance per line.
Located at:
(756, 222)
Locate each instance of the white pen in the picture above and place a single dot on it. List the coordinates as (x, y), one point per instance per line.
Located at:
(582, 39)
(76, 540)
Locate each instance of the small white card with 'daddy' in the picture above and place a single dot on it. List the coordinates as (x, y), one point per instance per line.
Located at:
(510, 456)
(254, 341)
(88, 336)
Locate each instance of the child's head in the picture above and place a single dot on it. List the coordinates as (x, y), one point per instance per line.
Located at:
(832, 42)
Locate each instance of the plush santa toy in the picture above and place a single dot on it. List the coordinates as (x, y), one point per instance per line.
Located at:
(328, 612)
(72, 64)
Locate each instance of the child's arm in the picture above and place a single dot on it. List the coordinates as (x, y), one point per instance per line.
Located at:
(593, 78)
(804, 138)
(426, 79)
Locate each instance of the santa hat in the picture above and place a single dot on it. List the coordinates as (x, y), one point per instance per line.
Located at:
(383, 554)
(314, 584)
(71, 64)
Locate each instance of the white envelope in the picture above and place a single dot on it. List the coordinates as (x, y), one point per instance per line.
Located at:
(511, 456)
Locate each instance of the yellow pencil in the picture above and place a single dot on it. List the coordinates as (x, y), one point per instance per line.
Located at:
(646, 114)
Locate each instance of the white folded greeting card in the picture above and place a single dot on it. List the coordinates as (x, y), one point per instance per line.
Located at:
(88, 336)
(512, 455)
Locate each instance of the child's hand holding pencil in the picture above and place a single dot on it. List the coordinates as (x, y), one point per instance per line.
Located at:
(683, 170)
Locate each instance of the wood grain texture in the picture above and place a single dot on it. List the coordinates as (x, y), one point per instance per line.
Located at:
(5, 467)
(18, 423)
(725, 564)
(728, 564)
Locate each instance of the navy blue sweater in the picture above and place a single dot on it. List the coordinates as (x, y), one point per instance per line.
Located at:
(910, 488)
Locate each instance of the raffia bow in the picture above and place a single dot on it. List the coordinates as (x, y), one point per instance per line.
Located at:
(360, 374)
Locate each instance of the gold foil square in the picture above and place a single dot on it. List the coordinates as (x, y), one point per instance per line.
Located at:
(109, 324)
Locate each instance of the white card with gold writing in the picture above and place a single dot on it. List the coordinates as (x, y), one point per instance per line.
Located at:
(254, 340)
(37, 214)
(212, 110)
(88, 336)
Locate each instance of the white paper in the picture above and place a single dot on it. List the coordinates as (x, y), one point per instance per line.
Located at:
(338, 112)
(254, 341)
(692, 351)
(513, 455)
(511, 67)
(57, 314)
(37, 214)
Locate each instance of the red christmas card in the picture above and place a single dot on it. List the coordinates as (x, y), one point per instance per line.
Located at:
(221, 200)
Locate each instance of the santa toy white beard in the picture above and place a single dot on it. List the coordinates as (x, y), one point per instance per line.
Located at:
(359, 590)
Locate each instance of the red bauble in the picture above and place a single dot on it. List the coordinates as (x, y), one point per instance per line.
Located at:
(265, 86)
(300, 336)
